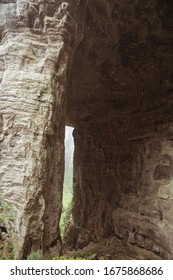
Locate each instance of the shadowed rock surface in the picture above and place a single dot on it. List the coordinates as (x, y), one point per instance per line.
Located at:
(105, 68)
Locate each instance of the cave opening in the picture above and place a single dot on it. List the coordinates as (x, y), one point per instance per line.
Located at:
(68, 179)
(111, 78)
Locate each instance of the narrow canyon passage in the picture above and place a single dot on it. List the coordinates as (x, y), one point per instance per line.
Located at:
(68, 180)
(104, 68)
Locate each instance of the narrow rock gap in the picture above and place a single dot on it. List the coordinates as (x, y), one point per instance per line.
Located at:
(68, 179)
(106, 68)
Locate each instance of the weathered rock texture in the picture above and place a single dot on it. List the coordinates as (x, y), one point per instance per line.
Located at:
(123, 126)
(123, 185)
(114, 67)
(38, 39)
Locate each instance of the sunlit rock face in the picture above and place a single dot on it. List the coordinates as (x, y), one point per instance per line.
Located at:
(105, 68)
(38, 39)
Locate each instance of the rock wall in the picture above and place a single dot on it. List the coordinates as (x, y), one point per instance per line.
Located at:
(116, 68)
(123, 184)
(38, 39)
(122, 97)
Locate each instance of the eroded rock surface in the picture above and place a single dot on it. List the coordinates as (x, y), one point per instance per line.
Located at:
(112, 248)
(123, 96)
(38, 39)
(124, 187)
(104, 67)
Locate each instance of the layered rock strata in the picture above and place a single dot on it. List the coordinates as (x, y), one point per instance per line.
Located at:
(38, 39)
(111, 63)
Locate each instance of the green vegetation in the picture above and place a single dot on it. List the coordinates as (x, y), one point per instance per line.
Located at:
(6, 213)
(38, 256)
(67, 258)
(1, 252)
(65, 215)
(10, 251)
(67, 191)
(67, 199)
(6, 210)
(35, 256)
(6, 251)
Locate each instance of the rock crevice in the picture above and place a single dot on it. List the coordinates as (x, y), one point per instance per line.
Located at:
(105, 68)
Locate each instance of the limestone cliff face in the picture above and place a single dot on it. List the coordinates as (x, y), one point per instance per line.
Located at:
(104, 67)
(38, 39)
